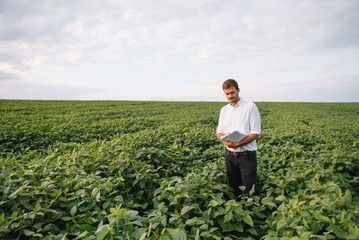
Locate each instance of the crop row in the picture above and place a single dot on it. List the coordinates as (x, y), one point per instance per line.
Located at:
(154, 170)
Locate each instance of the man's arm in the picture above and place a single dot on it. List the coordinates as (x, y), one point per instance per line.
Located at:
(251, 137)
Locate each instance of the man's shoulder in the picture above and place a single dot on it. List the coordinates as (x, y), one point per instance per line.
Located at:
(248, 105)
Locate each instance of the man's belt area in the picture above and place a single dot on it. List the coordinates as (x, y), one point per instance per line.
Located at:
(244, 153)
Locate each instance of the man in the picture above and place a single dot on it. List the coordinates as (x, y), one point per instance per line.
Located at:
(241, 157)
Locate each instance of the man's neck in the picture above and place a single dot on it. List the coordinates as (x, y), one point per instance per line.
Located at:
(234, 104)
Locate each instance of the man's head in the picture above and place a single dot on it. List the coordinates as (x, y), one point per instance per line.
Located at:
(230, 83)
(231, 90)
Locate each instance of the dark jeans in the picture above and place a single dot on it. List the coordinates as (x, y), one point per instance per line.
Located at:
(241, 171)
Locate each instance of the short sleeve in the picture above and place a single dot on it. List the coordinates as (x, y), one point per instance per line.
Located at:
(255, 120)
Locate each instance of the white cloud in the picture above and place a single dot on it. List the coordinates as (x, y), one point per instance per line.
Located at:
(29, 90)
(178, 42)
(8, 76)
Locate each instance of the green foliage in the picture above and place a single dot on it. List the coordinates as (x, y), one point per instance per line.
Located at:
(154, 170)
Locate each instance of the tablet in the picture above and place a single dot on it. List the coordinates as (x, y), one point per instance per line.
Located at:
(233, 136)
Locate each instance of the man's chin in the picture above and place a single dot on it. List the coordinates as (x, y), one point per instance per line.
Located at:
(234, 100)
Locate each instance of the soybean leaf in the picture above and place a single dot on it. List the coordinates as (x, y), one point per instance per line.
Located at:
(103, 231)
(228, 217)
(28, 232)
(340, 233)
(186, 209)
(177, 234)
(73, 210)
(248, 219)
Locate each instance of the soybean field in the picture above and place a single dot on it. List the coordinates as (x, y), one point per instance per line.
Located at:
(155, 170)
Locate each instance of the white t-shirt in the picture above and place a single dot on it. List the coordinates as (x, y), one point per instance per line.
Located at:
(245, 118)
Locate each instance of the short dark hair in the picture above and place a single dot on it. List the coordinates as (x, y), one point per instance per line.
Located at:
(230, 83)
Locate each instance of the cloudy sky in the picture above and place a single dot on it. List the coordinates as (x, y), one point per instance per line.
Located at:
(277, 50)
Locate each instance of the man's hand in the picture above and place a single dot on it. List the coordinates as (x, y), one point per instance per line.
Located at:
(219, 135)
(231, 144)
(248, 139)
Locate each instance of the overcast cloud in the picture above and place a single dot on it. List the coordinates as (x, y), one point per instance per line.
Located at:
(179, 50)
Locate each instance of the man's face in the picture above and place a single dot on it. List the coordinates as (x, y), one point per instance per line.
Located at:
(232, 94)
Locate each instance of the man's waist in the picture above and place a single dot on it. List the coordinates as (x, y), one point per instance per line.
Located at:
(252, 146)
(241, 153)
